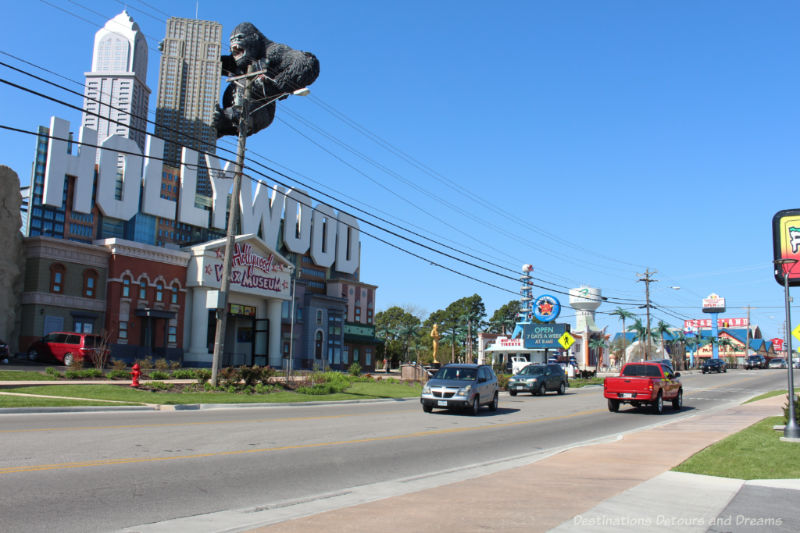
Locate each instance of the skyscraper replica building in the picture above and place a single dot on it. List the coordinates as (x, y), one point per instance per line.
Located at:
(116, 88)
(188, 90)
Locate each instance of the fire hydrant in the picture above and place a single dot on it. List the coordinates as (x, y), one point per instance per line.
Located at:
(135, 373)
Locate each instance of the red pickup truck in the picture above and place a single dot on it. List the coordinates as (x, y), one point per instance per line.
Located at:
(644, 383)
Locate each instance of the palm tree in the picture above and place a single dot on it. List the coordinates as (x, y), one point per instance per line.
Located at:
(623, 315)
(661, 329)
(679, 338)
(598, 344)
(639, 333)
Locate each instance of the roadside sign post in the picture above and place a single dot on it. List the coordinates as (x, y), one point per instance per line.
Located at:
(792, 430)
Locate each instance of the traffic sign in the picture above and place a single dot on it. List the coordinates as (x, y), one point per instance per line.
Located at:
(796, 332)
(566, 340)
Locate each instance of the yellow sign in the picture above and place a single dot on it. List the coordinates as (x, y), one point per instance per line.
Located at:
(566, 340)
(796, 332)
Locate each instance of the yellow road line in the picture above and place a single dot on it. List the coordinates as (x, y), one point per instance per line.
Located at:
(416, 434)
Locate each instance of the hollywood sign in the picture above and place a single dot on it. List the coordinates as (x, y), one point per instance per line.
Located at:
(331, 237)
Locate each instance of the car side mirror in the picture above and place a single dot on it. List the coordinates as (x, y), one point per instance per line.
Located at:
(677, 374)
(481, 380)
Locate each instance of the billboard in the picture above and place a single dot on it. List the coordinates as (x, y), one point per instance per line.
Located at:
(786, 244)
(698, 323)
(543, 335)
(713, 304)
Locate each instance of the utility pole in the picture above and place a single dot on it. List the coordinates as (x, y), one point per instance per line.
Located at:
(242, 100)
(747, 343)
(647, 281)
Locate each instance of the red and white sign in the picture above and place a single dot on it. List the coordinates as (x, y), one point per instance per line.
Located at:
(777, 344)
(713, 304)
(503, 342)
(701, 323)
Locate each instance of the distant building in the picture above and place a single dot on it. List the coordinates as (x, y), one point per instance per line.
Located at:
(116, 95)
(189, 90)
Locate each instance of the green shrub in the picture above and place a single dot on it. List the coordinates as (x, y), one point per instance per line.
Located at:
(145, 364)
(229, 377)
(161, 364)
(502, 380)
(261, 388)
(317, 390)
(84, 374)
(184, 373)
(250, 375)
(159, 374)
(50, 371)
(207, 386)
(117, 364)
(174, 365)
(119, 374)
(355, 369)
(203, 375)
(159, 386)
(796, 410)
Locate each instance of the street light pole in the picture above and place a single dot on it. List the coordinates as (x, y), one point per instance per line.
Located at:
(791, 431)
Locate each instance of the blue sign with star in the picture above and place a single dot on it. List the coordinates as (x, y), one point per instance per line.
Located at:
(546, 308)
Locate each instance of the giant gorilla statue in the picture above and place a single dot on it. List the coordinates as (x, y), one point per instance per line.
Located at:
(287, 70)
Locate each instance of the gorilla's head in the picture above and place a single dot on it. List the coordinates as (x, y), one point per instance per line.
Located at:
(247, 44)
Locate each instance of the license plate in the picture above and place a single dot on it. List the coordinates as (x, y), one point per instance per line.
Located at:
(519, 387)
(442, 403)
(626, 395)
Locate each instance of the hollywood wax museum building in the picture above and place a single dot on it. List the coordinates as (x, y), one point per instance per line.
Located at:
(120, 242)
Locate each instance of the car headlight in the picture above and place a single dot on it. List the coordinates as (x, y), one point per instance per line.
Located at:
(532, 380)
(464, 391)
(426, 389)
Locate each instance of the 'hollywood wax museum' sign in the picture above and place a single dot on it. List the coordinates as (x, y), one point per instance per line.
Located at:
(304, 226)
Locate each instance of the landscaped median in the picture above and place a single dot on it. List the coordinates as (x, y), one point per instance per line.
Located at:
(235, 386)
(756, 452)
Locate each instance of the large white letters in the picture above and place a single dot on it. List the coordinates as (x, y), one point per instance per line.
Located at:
(332, 239)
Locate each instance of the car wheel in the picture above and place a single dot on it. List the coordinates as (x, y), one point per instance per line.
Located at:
(562, 388)
(33, 355)
(512, 392)
(658, 405)
(542, 390)
(613, 405)
(677, 403)
(476, 406)
(427, 408)
(495, 402)
(68, 359)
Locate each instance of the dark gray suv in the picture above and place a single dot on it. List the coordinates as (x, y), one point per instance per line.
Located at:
(538, 379)
(461, 386)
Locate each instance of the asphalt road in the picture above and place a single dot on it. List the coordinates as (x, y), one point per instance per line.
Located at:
(109, 471)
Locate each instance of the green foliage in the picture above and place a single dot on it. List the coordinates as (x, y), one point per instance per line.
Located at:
(203, 375)
(174, 365)
(50, 371)
(159, 374)
(161, 364)
(145, 364)
(796, 410)
(504, 319)
(502, 380)
(159, 386)
(117, 364)
(229, 377)
(355, 369)
(262, 388)
(119, 374)
(207, 386)
(184, 373)
(84, 373)
(318, 389)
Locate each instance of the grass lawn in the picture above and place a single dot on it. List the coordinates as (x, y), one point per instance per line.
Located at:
(770, 395)
(581, 382)
(33, 401)
(24, 375)
(357, 391)
(754, 453)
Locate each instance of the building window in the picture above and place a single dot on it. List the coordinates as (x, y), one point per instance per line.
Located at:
(142, 289)
(175, 294)
(318, 345)
(368, 356)
(172, 335)
(159, 292)
(369, 316)
(126, 288)
(319, 317)
(57, 271)
(344, 354)
(358, 314)
(123, 330)
(89, 283)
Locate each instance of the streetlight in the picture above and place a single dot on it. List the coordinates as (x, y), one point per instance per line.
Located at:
(242, 99)
(791, 431)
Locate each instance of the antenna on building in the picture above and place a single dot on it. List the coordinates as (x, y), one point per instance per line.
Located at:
(196, 8)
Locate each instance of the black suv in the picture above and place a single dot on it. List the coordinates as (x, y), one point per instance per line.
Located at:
(538, 379)
(714, 365)
(755, 361)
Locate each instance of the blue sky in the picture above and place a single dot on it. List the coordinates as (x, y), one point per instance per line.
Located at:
(591, 139)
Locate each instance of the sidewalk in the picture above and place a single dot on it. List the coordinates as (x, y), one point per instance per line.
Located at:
(623, 485)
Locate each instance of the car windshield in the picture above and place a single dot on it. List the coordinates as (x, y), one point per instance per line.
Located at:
(532, 370)
(456, 373)
(641, 371)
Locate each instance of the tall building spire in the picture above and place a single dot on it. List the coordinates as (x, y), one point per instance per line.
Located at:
(116, 87)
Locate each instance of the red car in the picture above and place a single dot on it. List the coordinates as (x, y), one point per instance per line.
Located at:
(64, 346)
(644, 383)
